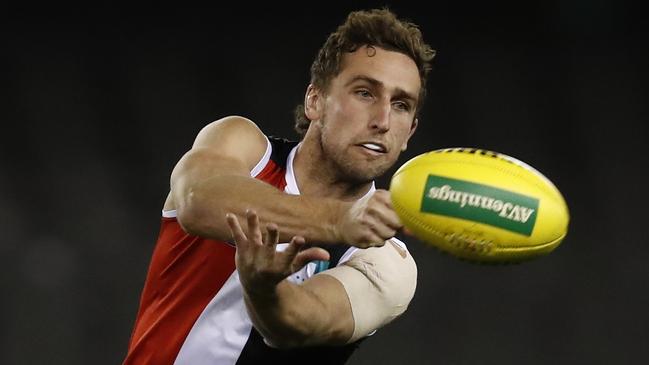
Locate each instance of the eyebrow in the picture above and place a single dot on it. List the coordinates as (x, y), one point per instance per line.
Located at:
(400, 93)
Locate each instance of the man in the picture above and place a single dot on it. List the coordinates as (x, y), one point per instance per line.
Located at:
(221, 288)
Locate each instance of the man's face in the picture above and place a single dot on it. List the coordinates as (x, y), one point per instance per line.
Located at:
(366, 117)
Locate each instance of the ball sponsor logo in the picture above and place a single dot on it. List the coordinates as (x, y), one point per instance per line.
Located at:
(480, 203)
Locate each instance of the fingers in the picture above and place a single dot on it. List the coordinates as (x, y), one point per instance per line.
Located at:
(382, 194)
(254, 232)
(407, 232)
(293, 248)
(308, 255)
(382, 219)
(378, 225)
(383, 228)
(268, 237)
(235, 229)
(378, 242)
(253, 252)
(383, 210)
(257, 259)
(294, 258)
(272, 236)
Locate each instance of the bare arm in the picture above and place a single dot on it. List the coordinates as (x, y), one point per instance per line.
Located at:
(286, 314)
(354, 299)
(213, 179)
(315, 313)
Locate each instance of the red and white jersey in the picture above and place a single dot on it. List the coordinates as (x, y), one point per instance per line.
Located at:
(192, 310)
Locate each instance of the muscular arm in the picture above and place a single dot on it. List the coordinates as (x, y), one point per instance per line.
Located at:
(317, 312)
(340, 305)
(213, 178)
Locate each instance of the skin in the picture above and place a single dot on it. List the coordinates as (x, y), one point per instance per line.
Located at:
(373, 99)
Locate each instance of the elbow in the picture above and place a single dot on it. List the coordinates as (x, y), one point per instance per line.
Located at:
(195, 218)
(285, 342)
(286, 335)
(189, 220)
(298, 336)
(300, 340)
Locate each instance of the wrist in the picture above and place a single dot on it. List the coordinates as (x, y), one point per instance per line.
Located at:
(259, 292)
(277, 315)
(335, 211)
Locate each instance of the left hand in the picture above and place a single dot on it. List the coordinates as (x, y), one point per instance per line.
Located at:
(259, 265)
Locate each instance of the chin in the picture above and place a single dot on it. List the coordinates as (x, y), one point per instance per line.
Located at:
(360, 169)
(366, 173)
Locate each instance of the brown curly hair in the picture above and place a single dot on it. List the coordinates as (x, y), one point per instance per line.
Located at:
(376, 27)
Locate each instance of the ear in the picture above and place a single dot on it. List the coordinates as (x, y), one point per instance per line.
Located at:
(312, 103)
(413, 127)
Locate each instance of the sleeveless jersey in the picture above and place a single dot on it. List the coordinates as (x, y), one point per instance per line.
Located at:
(192, 309)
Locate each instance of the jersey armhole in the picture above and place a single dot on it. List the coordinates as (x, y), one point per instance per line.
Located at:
(254, 172)
(264, 159)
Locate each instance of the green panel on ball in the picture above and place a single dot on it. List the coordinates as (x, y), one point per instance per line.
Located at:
(480, 203)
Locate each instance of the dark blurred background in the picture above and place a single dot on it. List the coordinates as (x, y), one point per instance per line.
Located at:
(99, 103)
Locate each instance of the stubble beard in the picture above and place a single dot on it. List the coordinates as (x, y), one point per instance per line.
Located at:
(347, 169)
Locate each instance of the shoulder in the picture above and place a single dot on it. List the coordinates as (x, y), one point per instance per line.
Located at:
(234, 137)
(230, 128)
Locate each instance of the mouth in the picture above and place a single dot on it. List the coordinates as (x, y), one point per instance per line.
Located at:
(374, 147)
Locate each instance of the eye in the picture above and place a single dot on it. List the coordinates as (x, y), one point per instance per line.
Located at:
(364, 93)
(402, 106)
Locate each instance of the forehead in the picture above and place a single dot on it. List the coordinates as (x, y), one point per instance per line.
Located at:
(394, 70)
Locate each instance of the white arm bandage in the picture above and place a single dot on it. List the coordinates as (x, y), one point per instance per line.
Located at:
(380, 282)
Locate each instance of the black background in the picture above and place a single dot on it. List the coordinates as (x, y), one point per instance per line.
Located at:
(99, 103)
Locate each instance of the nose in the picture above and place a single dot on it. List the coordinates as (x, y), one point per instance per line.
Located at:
(380, 121)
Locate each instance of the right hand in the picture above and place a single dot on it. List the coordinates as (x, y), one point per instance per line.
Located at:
(369, 222)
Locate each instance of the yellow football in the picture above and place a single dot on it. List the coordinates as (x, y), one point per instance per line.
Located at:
(479, 205)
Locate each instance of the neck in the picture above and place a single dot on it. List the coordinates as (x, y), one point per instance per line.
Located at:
(315, 175)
